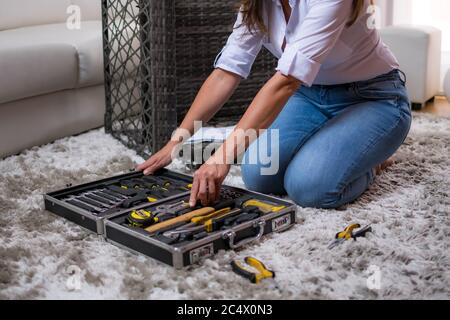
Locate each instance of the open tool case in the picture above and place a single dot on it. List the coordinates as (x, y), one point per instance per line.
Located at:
(158, 222)
(90, 204)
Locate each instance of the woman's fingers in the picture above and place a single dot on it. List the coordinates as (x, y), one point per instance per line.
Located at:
(212, 196)
(207, 184)
(146, 164)
(203, 192)
(218, 187)
(153, 167)
(194, 191)
(160, 159)
(153, 164)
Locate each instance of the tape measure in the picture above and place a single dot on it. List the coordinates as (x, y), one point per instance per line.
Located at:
(141, 218)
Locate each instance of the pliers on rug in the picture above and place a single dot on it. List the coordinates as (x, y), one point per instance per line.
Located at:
(253, 270)
(348, 234)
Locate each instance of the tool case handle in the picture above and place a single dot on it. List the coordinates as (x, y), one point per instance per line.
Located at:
(231, 235)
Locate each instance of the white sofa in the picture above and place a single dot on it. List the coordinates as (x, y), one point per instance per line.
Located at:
(51, 77)
(447, 85)
(418, 49)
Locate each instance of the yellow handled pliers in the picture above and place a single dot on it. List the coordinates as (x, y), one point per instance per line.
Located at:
(256, 273)
(348, 234)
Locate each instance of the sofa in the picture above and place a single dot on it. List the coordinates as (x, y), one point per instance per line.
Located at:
(51, 73)
(418, 49)
(447, 85)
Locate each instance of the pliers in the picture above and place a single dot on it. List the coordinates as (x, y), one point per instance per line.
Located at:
(256, 273)
(348, 234)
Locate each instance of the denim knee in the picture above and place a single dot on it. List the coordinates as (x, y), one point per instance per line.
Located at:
(255, 181)
(309, 191)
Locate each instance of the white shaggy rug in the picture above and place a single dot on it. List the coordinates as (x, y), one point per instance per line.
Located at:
(408, 207)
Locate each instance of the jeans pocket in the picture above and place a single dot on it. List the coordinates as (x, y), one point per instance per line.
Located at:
(378, 90)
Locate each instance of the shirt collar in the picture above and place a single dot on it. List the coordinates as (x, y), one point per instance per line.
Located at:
(291, 3)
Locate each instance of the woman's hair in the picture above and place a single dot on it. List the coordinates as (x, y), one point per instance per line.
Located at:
(253, 17)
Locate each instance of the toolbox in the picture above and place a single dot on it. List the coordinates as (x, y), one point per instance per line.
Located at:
(88, 205)
(160, 224)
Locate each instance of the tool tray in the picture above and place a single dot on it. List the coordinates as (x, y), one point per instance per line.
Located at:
(180, 253)
(81, 204)
(237, 221)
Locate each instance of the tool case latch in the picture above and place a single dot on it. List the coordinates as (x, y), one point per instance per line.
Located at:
(231, 235)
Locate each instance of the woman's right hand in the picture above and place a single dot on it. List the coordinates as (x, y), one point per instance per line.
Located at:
(159, 160)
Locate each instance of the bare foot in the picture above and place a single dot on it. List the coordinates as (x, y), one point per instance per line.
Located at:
(380, 168)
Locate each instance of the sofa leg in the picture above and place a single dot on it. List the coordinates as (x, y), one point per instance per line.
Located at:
(417, 106)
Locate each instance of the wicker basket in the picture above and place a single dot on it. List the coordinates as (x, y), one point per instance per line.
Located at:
(157, 55)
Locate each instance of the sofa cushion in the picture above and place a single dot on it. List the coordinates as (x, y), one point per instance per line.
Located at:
(33, 70)
(23, 13)
(418, 50)
(90, 9)
(44, 59)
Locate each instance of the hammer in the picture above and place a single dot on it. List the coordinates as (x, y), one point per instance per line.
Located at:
(174, 222)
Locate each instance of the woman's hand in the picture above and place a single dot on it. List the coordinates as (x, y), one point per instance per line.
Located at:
(159, 160)
(207, 182)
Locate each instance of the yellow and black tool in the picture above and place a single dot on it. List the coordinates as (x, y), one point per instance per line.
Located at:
(207, 223)
(348, 234)
(264, 206)
(215, 214)
(175, 222)
(256, 273)
(141, 218)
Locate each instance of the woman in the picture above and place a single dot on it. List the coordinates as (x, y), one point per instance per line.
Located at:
(337, 100)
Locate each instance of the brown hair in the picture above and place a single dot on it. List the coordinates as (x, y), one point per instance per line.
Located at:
(253, 18)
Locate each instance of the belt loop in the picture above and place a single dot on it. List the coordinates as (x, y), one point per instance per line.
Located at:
(404, 76)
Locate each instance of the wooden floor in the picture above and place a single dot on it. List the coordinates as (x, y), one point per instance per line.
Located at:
(440, 107)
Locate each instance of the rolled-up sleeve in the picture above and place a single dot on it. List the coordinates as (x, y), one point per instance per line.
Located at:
(241, 50)
(318, 34)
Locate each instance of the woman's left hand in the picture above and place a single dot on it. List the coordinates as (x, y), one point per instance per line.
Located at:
(207, 183)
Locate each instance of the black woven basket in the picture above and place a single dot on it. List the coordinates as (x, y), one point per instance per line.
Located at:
(157, 54)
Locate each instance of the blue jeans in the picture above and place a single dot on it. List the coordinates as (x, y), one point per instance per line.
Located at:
(330, 140)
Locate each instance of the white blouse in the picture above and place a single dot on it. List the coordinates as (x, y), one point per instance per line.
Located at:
(320, 47)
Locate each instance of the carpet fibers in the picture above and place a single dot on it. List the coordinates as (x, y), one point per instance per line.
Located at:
(43, 256)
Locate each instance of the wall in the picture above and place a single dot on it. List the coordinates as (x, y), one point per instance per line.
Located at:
(386, 7)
